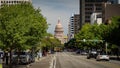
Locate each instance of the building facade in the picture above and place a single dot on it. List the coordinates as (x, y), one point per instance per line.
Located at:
(9, 2)
(96, 18)
(71, 27)
(114, 1)
(76, 23)
(59, 32)
(87, 7)
(110, 11)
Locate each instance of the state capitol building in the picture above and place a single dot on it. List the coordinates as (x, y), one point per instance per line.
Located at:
(59, 33)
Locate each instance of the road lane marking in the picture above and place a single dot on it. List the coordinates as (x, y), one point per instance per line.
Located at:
(53, 62)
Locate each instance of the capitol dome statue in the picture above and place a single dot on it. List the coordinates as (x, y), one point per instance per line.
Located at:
(59, 32)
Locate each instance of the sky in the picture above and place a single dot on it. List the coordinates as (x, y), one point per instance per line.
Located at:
(53, 10)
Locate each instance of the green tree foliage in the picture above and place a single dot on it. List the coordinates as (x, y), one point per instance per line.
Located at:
(110, 33)
(21, 26)
(71, 43)
(49, 41)
(114, 31)
(91, 32)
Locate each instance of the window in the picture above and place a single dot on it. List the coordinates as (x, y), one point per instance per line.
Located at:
(98, 4)
(87, 21)
(88, 8)
(87, 16)
(17, 1)
(6, 1)
(100, 0)
(90, 0)
(88, 4)
(88, 12)
(9, 1)
(98, 8)
(1, 1)
(14, 1)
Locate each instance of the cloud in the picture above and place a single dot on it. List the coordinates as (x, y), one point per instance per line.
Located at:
(54, 9)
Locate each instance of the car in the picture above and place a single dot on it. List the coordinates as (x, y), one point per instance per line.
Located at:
(78, 51)
(32, 58)
(92, 54)
(1, 54)
(102, 57)
(84, 53)
(24, 58)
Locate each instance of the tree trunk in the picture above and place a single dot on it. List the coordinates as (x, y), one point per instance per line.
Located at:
(10, 58)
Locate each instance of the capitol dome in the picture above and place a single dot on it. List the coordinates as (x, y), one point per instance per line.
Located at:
(59, 27)
(59, 32)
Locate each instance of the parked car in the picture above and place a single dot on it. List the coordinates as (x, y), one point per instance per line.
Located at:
(1, 54)
(84, 53)
(102, 56)
(32, 58)
(78, 51)
(92, 54)
(21, 58)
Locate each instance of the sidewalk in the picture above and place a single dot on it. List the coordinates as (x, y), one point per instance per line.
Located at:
(39, 59)
(42, 63)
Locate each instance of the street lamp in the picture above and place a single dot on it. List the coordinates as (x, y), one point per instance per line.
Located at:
(84, 40)
(106, 47)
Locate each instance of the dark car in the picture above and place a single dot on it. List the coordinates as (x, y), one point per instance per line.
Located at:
(1, 54)
(92, 54)
(21, 58)
(78, 51)
(32, 58)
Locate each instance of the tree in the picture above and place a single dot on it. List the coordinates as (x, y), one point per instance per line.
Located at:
(91, 32)
(85, 33)
(110, 33)
(71, 43)
(114, 35)
(114, 31)
(21, 26)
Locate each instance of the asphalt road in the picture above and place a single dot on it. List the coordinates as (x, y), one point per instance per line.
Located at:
(71, 60)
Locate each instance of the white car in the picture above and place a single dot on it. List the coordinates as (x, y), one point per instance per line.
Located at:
(102, 57)
(83, 53)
